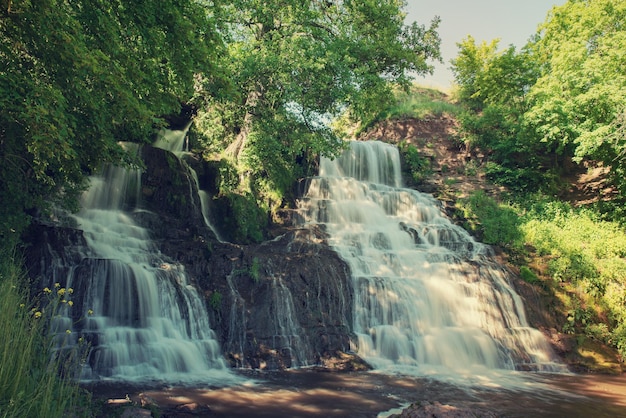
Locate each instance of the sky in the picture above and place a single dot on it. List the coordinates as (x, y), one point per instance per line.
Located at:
(512, 21)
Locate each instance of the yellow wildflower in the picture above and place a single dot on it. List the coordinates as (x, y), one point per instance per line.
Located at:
(46, 290)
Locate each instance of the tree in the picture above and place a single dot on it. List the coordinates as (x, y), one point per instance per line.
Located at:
(493, 87)
(296, 64)
(576, 102)
(78, 77)
(562, 96)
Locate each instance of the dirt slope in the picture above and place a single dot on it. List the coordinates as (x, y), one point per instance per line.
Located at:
(455, 169)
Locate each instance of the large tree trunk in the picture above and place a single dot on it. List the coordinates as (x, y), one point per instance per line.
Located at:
(236, 148)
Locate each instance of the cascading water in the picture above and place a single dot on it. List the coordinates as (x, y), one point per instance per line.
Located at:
(428, 297)
(142, 319)
(176, 142)
(288, 336)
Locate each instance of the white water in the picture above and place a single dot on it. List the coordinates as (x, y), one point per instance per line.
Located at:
(176, 142)
(143, 320)
(288, 335)
(428, 297)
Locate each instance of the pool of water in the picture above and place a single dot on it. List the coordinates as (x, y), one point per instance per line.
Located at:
(311, 393)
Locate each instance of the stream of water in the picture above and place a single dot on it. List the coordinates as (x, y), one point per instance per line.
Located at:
(137, 312)
(433, 312)
(429, 299)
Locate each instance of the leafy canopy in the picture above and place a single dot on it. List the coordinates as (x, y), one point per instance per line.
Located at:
(77, 77)
(294, 65)
(561, 98)
(580, 96)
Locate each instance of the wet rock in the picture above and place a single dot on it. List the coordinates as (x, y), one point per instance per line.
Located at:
(192, 409)
(135, 412)
(283, 303)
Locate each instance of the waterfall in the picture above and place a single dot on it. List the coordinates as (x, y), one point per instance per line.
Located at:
(176, 142)
(138, 313)
(427, 295)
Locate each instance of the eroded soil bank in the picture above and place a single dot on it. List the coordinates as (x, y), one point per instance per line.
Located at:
(310, 393)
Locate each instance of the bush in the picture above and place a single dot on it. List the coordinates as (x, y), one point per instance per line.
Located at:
(495, 223)
(417, 166)
(587, 254)
(246, 221)
(520, 179)
(527, 275)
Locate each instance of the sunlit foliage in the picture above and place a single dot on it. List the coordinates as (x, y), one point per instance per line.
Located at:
(293, 66)
(575, 253)
(560, 99)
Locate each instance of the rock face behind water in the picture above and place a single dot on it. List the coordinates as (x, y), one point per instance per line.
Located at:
(282, 303)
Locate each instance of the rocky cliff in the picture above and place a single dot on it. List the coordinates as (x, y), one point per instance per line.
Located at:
(282, 303)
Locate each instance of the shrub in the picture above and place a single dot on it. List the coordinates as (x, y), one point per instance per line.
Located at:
(215, 301)
(417, 165)
(581, 249)
(495, 223)
(527, 275)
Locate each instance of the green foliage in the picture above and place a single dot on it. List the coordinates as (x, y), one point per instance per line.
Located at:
(582, 87)
(588, 253)
(30, 384)
(492, 89)
(215, 301)
(521, 179)
(527, 275)
(495, 223)
(560, 98)
(295, 65)
(579, 251)
(255, 270)
(78, 77)
(418, 166)
(245, 221)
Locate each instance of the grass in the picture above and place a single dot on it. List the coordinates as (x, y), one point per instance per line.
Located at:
(571, 251)
(30, 384)
(418, 103)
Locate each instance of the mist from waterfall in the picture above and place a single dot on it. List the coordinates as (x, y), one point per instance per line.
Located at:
(428, 297)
